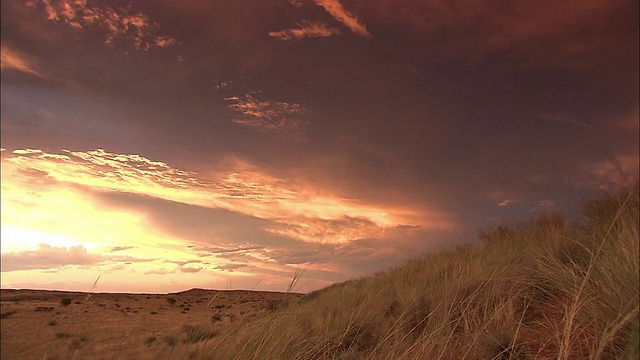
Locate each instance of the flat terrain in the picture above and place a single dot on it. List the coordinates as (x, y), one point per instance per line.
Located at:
(70, 325)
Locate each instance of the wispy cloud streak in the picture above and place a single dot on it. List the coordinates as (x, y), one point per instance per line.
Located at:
(14, 60)
(339, 13)
(307, 29)
(286, 121)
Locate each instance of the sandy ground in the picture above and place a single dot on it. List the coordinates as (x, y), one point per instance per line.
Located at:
(37, 325)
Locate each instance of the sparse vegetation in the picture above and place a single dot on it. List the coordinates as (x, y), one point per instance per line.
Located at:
(171, 340)
(63, 335)
(65, 301)
(197, 333)
(150, 340)
(52, 323)
(6, 314)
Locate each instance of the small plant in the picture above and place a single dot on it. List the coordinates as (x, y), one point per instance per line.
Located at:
(216, 317)
(52, 323)
(197, 333)
(65, 301)
(273, 305)
(44, 308)
(171, 301)
(150, 340)
(63, 335)
(295, 278)
(153, 312)
(170, 340)
(6, 314)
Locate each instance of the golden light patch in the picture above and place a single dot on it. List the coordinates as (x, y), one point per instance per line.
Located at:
(301, 212)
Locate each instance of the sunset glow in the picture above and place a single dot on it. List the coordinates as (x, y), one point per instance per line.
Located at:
(163, 146)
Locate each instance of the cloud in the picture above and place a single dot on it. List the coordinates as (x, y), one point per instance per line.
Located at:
(221, 250)
(508, 202)
(14, 60)
(542, 33)
(120, 248)
(307, 29)
(327, 231)
(286, 121)
(616, 172)
(56, 257)
(183, 263)
(189, 270)
(231, 267)
(48, 257)
(569, 119)
(118, 23)
(339, 13)
(240, 192)
(161, 271)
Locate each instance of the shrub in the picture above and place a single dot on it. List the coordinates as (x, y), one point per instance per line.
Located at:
(65, 301)
(171, 340)
(171, 301)
(52, 323)
(197, 333)
(6, 314)
(150, 340)
(75, 344)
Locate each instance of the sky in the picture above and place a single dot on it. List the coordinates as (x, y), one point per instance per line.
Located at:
(158, 146)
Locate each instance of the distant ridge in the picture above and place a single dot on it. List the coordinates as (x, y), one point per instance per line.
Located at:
(205, 292)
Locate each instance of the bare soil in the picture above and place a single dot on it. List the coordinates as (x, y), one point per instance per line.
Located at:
(37, 324)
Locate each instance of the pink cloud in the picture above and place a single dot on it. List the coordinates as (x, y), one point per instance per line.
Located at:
(307, 29)
(339, 13)
(118, 23)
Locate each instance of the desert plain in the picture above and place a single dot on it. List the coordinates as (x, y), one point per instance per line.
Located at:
(38, 324)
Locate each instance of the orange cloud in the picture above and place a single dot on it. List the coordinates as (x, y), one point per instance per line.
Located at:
(619, 171)
(117, 22)
(300, 212)
(307, 29)
(287, 121)
(13, 60)
(339, 13)
(508, 202)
